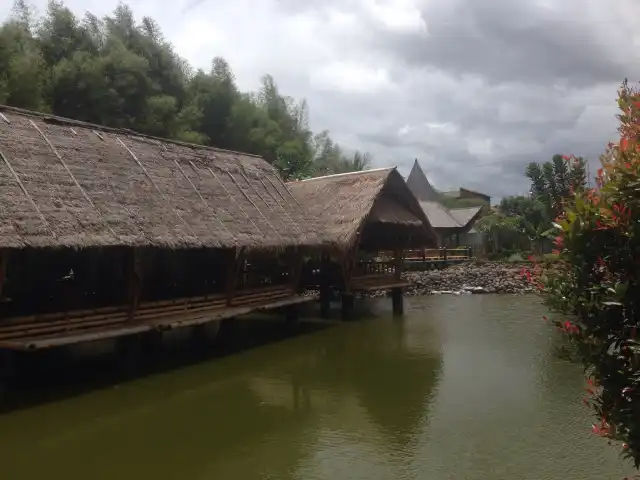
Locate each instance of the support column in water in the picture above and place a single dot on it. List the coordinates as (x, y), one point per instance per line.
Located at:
(397, 299)
(347, 305)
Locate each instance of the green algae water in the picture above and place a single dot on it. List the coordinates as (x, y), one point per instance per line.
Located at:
(463, 387)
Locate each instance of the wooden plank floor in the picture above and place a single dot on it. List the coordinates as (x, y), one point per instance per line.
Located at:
(373, 283)
(53, 330)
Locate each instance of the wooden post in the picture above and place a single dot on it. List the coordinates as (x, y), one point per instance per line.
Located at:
(396, 293)
(7, 371)
(397, 300)
(198, 337)
(235, 262)
(4, 260)
(347, 305)
(150, 342)
(325, 286)
(296, 270)
(397, 263)
(134, 280)
(444, 253)
(128, 349)
(292, 313)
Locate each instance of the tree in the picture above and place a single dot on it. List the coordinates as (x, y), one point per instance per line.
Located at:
(499, 227)
(554, 181)
(531, 218)
(596, 285)
(121, 73)
(22, 68)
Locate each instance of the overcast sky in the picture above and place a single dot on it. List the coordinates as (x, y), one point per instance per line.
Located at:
(455, 83)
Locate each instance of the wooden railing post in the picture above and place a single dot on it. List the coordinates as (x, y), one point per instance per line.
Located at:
(134, 280)
(444, 258)
(235, 261)
(325, 285)
(4, 260)
(398, 263)
(396, 292)
(296, 269)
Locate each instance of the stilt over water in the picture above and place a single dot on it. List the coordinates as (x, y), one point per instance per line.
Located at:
(347, 305)
(397, 298)
(364, 213)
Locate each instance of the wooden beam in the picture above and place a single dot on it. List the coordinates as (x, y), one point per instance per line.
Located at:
(397, 258)
(134, 280)
(297, 258)
(325, 285)
(347, 305)
(4, 260)
(235, 263)
(350, 260)
(397, 301)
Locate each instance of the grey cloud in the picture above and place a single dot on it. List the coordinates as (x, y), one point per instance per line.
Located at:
(503, 40)
(528, 80)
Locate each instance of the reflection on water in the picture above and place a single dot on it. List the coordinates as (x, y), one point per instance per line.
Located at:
(460, 388)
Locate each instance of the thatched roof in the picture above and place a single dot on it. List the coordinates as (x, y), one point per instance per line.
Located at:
(68, 183)
(346, 202)
(465, 216)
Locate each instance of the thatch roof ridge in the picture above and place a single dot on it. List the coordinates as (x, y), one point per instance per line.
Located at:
(345, 201)
(345, 174)
(71, 184)
(50, 118)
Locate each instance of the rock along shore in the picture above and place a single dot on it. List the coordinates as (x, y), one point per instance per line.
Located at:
(464, 279)
(489, 277)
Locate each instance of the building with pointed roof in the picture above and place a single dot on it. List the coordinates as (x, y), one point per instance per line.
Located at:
(446, 222)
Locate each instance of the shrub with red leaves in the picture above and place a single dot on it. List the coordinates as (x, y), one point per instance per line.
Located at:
(595, 285)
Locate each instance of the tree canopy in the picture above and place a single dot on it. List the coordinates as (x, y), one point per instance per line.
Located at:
(116, 72)
(554, 181)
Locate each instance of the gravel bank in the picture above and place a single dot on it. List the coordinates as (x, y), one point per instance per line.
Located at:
(470, 278)
(490, 277)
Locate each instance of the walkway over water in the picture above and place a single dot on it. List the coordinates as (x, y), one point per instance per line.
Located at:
(459, 388)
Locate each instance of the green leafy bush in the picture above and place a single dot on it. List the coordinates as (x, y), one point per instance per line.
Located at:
(594, 284)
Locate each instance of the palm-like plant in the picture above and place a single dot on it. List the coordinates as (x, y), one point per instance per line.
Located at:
(497, 226)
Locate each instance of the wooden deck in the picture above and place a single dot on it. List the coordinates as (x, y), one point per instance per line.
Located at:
(424, 259)
(374, 283)
(66, 328)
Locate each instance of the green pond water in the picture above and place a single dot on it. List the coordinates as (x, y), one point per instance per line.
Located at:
(463, 387)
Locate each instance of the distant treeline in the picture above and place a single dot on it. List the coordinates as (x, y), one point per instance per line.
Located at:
(115, 72)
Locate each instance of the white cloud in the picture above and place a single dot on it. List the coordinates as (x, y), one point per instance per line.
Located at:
(396, 15)
(455, 83)
(351, 78)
